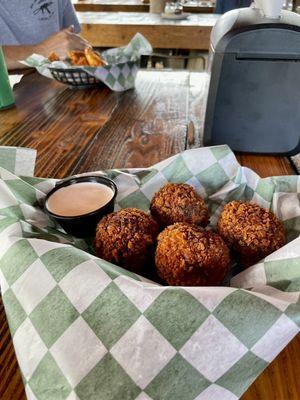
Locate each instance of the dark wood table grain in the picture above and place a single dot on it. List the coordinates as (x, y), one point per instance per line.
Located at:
(79, 131)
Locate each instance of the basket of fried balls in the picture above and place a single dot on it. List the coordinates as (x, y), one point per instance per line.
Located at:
(175, 236)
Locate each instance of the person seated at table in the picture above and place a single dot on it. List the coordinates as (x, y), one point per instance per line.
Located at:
(223, 6)
(38, 26)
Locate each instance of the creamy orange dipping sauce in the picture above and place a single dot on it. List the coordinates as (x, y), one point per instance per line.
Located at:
(79, 199)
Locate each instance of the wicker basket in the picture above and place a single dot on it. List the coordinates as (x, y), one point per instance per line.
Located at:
(75, 77)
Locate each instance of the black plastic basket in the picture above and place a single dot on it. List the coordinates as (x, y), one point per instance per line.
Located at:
(75, 77)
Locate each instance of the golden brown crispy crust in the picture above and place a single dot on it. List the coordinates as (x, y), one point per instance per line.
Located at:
(88, 57)
(188, 255)
(179, 203)
(77, 58)
(250, 230)
(53, 57)
(93, 58)
(127, 238)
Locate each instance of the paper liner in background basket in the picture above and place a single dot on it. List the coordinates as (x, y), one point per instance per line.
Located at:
(86, 329)
(119, 74)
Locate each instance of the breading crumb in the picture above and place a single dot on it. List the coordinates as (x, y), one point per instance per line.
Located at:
(251, 231)
(176, 202)
(188, 255)
(127, 238)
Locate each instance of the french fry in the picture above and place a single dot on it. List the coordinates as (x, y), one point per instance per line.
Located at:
(53, 57)
(85, 58)
(81, 61)
(77, 57)
(93, 58)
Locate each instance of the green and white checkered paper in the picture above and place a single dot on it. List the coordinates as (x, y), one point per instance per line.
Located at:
(86, 329)
(120, 72)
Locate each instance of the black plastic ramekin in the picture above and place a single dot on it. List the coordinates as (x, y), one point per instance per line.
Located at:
(83, 225)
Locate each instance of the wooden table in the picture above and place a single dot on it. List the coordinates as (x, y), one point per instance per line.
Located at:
(116, 29)
(79, 131)
(134, 6)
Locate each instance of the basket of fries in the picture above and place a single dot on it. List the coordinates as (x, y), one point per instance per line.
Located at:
(115, 68)
(77, 77)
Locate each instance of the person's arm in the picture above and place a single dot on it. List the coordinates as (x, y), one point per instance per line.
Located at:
(59, 43)
(69, 16)
(13, 54)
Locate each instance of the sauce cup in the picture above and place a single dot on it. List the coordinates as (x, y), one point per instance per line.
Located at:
(82, 225)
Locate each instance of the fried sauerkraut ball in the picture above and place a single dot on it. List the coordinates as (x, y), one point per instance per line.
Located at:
(127, 238)
(188, 255)
(252, 231)
(176, 202)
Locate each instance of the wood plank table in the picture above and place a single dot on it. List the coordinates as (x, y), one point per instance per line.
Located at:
(116, 29)
(135, 6)
(79, 131)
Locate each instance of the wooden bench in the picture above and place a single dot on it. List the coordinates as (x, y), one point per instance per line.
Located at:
(133, 6)
(104, 29)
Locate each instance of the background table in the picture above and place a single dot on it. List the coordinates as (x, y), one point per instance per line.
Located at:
(132, 6)
(116, 29)
(79, 131)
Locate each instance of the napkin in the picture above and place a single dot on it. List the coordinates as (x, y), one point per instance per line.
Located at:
(120, 73)
(86, 329)
(14, 79)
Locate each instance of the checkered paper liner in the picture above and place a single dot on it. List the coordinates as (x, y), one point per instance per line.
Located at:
(120, 73)
(296, 162)
(86, 329)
